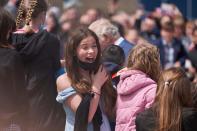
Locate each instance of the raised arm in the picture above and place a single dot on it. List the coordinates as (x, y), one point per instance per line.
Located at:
(74, 100)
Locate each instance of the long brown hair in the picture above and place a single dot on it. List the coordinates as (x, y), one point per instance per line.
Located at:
(145, 57)
(7, 24)
(108, 93)
(173, 93)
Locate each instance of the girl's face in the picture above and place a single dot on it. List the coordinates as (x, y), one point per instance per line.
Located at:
(87, 50)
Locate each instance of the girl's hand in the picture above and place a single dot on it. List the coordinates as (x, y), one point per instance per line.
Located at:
(99, 78)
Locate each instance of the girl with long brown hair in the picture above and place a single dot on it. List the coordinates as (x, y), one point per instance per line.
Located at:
(84, 90)
(172, 110)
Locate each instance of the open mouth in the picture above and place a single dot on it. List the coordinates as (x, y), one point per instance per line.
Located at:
(90, 60)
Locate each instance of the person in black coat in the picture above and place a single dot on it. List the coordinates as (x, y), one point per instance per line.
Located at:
(172, 109)
(40, 52)
(12, 79)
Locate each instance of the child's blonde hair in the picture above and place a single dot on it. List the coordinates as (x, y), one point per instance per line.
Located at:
(145, 57)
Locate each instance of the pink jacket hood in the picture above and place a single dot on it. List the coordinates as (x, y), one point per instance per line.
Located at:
(132, 80)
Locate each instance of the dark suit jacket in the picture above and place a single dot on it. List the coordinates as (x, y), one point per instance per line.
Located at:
(179, 52)
(126, 46)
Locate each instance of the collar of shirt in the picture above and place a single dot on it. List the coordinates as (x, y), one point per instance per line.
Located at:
(118, 41)
(167, 44)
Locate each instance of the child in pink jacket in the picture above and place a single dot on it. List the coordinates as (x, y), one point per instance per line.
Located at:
(137, 86)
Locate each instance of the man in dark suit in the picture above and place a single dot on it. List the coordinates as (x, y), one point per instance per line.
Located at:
(172, 52)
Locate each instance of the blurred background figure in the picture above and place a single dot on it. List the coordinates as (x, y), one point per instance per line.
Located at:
(52, 24)
(90, 16)
(55, 10)
(11, 7)
(132, 35)
(112, 6)
(189, 27)
(149, 29)
(191, 63)
(172, 51)
(69, 19)
(70, 3)
(13, 93)
(122, 18)
(93, 14)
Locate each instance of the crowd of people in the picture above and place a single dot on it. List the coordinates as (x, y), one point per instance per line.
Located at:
(96, 71)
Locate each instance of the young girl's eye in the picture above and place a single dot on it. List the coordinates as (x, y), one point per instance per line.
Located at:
(94, 46)
(85, 47)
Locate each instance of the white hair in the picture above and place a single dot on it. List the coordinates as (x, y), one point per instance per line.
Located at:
(104, 27)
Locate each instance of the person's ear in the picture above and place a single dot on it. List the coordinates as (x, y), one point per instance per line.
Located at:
(106, 38)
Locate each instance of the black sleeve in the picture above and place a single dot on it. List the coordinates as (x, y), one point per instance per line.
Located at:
(189, 120)
(138, 123)
(19, 80)
(81, 115)
(145, 121)
(55, 53)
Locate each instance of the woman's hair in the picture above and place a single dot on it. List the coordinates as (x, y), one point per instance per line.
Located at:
(72, 67)
(173, 93)
(7, 24)
(145, 57)
(71, 59)
(30, 9)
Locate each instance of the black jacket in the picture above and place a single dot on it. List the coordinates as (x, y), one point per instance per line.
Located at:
(146, 120)
(40, 53)
(12, 83)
